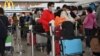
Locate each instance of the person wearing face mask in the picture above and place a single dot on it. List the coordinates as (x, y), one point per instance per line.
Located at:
(21, 23)
(46, 17)
(80, 10)
(66, 13)
(73, 12)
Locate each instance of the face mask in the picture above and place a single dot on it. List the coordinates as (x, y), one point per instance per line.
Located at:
(23, 15)
(39, 12)
(68, 11)
(79, 13)
(33, 12)
(75, 12)
(52, 9)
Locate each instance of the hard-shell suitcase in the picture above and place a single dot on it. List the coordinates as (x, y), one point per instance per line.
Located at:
(72, 46)
(71, 43)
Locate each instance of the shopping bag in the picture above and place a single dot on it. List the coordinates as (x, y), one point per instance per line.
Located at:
(8, 41)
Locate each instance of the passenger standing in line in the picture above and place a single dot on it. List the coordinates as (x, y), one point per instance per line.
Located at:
(21, 23)
(3, 31)
(45, 18)
(80, 10)
(27, 21)
(89, 24)
(15, 22)
(66, 13)
(95, 42)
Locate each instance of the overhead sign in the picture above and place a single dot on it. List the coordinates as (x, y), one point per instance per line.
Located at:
(34, 0)
(72, 0)
(8, 4)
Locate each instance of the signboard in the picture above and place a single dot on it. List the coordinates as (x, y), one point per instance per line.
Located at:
(72, 0)
(34, 0)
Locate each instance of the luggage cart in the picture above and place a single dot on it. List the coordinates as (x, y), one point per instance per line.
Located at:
(52, 29)
(8, 45)
(72, 46)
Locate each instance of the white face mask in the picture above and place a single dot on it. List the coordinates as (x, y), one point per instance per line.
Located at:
(75, 12)
(33, 12)
(79, 12)
(52, 9)
(23, 15)
(68, 11)
(40, 12)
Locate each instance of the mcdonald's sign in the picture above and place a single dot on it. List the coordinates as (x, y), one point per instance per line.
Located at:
(8, 4)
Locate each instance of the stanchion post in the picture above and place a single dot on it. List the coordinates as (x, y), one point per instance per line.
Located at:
(32, 40)
(53, 39)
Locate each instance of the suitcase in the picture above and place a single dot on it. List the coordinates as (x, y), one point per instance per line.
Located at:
(72, 46)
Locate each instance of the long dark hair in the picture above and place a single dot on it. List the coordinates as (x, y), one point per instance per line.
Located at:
(1, 11)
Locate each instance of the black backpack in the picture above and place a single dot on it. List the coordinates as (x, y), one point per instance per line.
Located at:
(67, 29)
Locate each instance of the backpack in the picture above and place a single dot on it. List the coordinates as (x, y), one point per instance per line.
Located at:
(67, 29)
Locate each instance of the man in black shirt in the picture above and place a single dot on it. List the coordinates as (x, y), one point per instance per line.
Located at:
(3, 31)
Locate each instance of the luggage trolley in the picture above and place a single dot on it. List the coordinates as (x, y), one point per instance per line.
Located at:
(66, 45)
(8, 45)
(72, 46)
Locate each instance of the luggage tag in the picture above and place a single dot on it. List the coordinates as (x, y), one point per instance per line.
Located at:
(30, 27)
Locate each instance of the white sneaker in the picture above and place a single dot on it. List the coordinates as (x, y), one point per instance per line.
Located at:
(50, 53)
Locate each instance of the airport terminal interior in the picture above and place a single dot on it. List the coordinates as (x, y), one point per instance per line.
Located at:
(36, 27)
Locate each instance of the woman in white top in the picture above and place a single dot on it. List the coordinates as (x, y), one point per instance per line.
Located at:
(66, 13)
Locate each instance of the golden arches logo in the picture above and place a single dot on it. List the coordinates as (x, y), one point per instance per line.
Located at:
(8, 4)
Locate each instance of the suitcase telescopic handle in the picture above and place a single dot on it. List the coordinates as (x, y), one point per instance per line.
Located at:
(76, 30)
